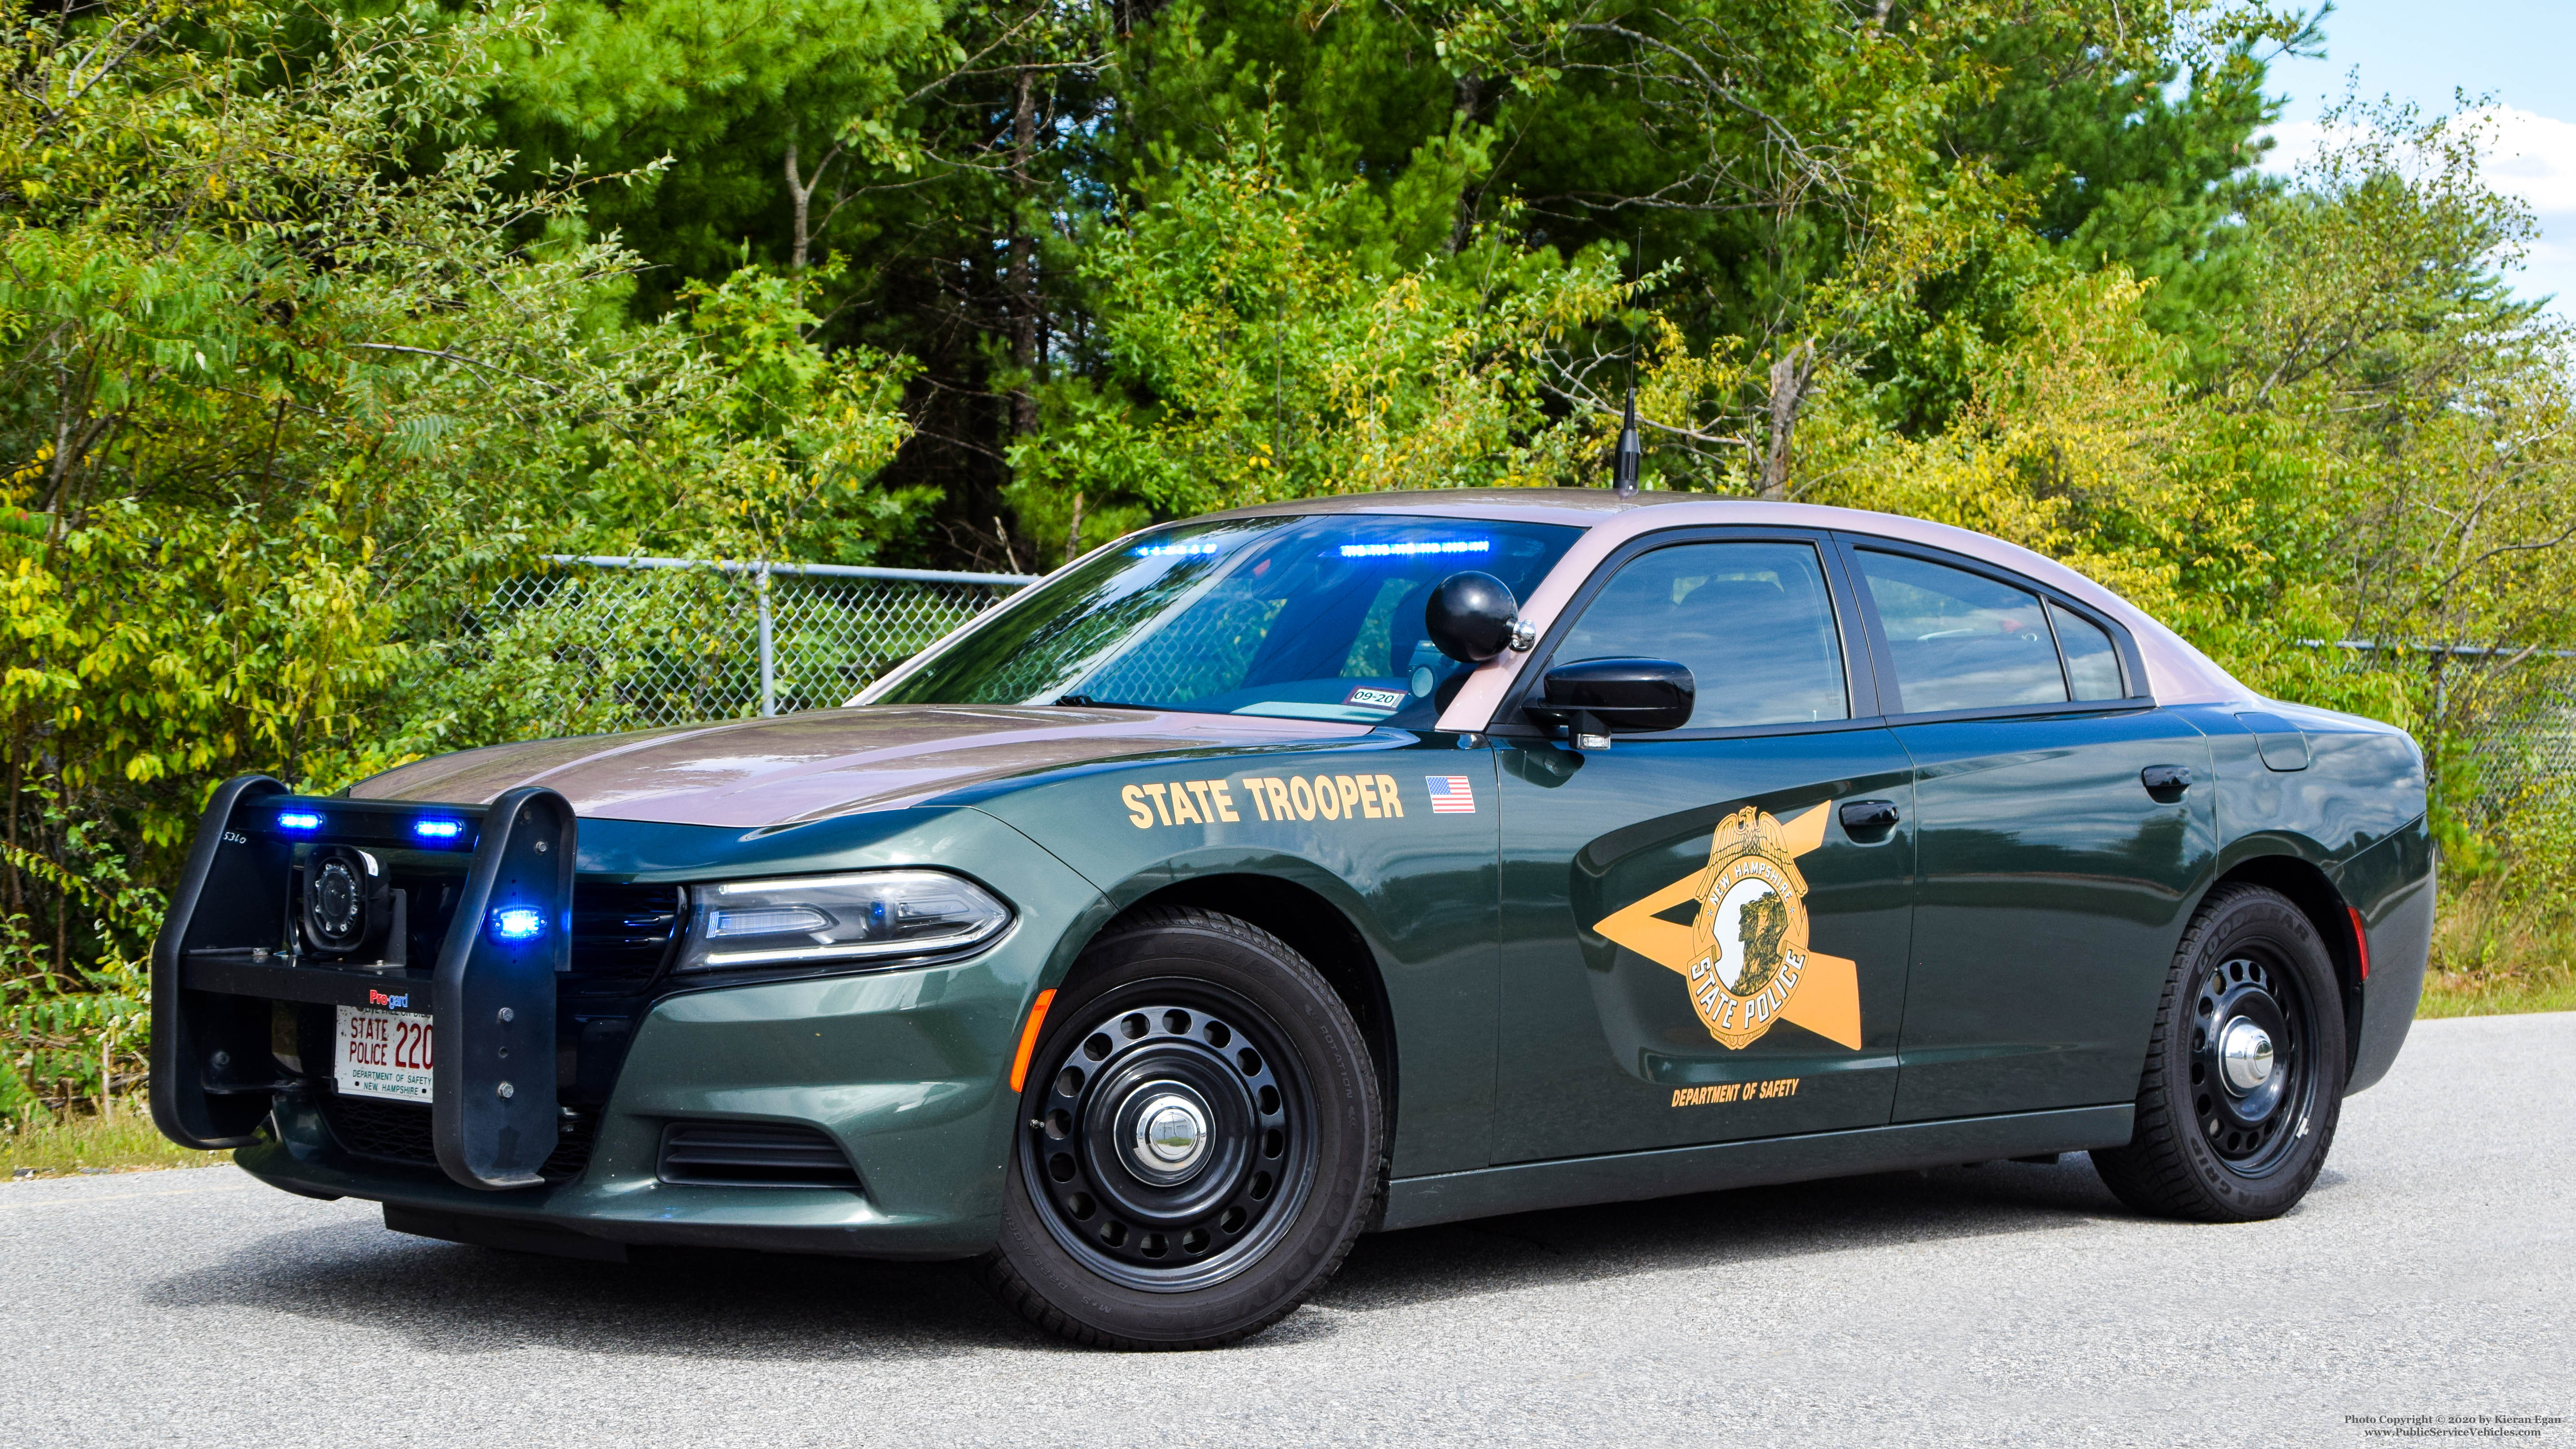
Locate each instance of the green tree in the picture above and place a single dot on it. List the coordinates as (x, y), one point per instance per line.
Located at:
(293, 378)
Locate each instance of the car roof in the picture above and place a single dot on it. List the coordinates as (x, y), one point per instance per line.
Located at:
(2177, 673)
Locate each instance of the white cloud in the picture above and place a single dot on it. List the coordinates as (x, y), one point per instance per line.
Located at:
(2293, 142)
(2533, 157)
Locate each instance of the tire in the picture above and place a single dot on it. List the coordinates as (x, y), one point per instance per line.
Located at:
(2222, 1142)
(1264, 1164)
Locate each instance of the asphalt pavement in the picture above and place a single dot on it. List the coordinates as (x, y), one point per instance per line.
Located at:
(2430, 1275)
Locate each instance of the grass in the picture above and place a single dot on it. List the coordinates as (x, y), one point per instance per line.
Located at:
(2493, 955)
(85, 1142)
(2449, 993)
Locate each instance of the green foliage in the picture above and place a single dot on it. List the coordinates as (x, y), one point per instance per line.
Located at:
(1278, 340)
(709, 93)
(67, 1034)
(294, 379)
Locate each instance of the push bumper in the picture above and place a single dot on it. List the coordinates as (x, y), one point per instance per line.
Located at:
(906, 1070)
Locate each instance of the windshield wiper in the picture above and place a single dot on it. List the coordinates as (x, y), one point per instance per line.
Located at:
(1080, 701)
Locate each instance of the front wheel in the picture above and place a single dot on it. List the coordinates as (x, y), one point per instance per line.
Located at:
(1198, 1140)
(2245, 1073)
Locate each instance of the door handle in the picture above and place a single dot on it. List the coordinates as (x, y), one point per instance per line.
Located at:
(1868, 817)
(2166, 783)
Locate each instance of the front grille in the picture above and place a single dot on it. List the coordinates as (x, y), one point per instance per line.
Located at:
(754, 1154)
(399, 1132)
(389, 1131)
(620, 933)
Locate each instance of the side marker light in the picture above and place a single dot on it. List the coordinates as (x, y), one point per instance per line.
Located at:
(1029, 1038)
(2360, 941)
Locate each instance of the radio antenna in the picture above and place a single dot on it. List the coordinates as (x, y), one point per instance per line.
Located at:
(1623, 467)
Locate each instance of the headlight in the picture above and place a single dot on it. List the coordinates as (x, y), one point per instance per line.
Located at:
(821, 919)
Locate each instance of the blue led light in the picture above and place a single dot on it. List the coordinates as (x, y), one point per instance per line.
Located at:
(298, 820)
(1408, 550)
(518, 923)
(1176, 550)
(438, 829)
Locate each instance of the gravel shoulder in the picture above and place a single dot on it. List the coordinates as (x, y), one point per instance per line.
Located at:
(2429, 1273)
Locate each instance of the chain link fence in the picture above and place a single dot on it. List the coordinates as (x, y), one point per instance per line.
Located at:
(2520, 707)
(2529, 759)
(632, 643)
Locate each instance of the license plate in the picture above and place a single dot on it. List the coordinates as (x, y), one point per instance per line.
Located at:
(382, 1054)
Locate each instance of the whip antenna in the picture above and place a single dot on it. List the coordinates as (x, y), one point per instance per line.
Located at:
(1623, 468)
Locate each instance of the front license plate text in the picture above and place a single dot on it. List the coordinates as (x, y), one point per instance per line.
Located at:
(382, 1054)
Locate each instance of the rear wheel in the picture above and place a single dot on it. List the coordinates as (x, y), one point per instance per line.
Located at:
(1198, 1140)
(2245, 1072)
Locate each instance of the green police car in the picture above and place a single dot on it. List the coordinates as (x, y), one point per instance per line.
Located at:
(1312, 869)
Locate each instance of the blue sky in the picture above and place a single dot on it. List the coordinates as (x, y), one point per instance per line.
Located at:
(2522, 53)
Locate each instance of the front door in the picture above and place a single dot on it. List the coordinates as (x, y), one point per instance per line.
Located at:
(2052, 877)
(1700, 942)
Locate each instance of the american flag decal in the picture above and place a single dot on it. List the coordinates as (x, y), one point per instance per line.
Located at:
(1451, 795)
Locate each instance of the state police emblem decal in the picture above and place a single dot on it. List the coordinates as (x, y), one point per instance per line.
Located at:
(1745, 956)
(1751, 929)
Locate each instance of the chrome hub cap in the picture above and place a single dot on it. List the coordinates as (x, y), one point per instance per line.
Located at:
(2245, 1055)
(1171, 1132)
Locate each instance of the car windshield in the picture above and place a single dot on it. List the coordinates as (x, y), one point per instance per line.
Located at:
(1302, 617)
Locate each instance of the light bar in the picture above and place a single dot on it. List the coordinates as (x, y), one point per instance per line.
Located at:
(298, 820)
(518, 923)
(1408, 550)
(438, 829)
(1176, 550)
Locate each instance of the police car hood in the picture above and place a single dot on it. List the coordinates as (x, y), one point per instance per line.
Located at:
(800, 767)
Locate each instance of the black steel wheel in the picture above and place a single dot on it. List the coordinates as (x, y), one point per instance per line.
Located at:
(1173, 1140)
(2245, 1072)
(1197, 1143)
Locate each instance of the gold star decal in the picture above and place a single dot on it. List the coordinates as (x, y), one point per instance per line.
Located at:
(1745, 957)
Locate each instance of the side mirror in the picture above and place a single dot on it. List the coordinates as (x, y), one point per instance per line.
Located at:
(1472, 617)
(1596, 698)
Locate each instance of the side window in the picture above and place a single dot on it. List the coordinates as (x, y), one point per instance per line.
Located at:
(1961, 640)
(2092, 664)
(1753, 622)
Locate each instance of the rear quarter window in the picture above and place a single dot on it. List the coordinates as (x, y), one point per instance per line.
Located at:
(1961, 640)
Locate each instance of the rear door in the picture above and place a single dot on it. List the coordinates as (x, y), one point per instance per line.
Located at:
(2052, 878)
(1695, 947)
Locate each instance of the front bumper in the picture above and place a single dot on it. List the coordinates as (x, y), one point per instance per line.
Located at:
(906, 1070)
